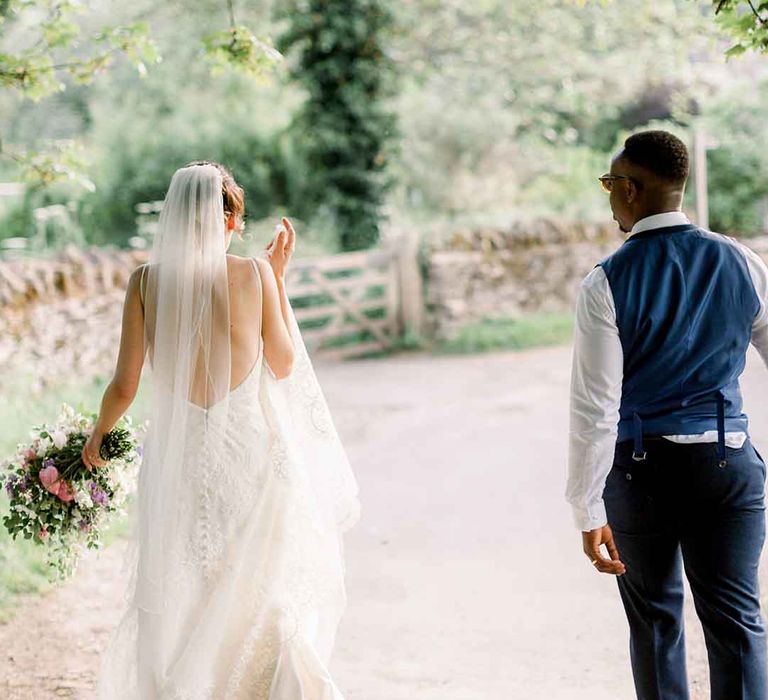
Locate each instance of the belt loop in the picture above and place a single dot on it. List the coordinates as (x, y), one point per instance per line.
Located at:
(721, 428)
(639, 454)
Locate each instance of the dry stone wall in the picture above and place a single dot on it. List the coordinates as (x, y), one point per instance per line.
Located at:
(60, 316)
(492, 273)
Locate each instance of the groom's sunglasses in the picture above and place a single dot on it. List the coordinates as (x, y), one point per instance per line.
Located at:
(606, 181)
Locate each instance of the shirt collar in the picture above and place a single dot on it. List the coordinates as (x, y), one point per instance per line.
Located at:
(668, 218)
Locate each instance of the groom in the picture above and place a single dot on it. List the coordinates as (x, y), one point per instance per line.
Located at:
(661, 470)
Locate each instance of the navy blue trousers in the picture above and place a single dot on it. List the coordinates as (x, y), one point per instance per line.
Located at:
(678, 510)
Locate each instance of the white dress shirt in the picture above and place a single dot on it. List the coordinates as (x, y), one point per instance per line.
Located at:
(597, 375)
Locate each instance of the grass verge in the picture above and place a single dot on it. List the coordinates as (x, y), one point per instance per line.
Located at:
(530, 331)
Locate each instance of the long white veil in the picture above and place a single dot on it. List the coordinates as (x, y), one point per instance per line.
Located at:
(312, 434)
(187, 331)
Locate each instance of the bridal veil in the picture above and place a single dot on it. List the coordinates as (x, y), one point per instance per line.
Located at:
(235, 559)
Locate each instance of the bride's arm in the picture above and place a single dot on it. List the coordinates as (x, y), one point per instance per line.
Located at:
(276, 323)
(121, 391)
(278, 345)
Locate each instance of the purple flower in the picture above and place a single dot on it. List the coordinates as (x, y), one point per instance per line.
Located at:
(84, 526)
(48, 463)
(24, 483)
(98, 496)
(10, 483)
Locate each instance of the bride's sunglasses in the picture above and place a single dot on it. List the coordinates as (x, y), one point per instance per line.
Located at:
(606, 181)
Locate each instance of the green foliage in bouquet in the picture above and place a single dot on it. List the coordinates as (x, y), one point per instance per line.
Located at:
(54, 500)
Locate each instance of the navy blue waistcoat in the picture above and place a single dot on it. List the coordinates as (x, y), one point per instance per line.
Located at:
(685, 304)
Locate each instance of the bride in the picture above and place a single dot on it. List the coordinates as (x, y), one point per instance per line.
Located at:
(236, 561)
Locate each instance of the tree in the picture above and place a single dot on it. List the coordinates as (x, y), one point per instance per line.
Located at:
(509, 109)
(54, 52)
(746, 21)
(343, 128)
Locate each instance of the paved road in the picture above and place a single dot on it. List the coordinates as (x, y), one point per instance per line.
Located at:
(465, 576)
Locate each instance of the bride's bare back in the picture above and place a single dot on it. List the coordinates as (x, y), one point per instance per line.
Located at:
(252, 319)
(245, 294)
(248, 324)
(245, 302)
(255, 314)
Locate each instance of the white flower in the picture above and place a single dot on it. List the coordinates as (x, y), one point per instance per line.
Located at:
(83, 498)
(43, 446)
(27, 511)
(59, 438)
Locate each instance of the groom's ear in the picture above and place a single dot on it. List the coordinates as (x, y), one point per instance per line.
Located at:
(632, 191)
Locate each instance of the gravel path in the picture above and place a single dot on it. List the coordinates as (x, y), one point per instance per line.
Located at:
(465, 576)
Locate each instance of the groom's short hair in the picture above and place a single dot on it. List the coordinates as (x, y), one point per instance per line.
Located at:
(659, 152)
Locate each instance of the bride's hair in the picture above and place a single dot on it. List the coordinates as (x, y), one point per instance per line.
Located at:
(232, 194)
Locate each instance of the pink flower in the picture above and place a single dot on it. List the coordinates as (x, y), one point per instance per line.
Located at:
(49, 478)
(43, 534)
(29, 456)
(66, 492)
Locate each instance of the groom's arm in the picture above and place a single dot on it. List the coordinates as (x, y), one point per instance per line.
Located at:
(758, 270)
(596, 380)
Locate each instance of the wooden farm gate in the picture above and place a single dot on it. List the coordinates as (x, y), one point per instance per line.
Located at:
(354, 304)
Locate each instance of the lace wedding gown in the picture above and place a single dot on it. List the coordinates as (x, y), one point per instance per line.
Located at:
(254, 564)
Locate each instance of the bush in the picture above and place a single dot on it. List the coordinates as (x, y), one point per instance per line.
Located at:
(738, 160)
(140, 158)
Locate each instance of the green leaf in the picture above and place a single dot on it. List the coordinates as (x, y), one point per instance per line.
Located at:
(736, 50)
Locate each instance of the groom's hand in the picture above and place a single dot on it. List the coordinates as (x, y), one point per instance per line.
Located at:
(592, 542)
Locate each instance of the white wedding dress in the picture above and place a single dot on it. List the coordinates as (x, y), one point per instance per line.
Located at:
(247, 587)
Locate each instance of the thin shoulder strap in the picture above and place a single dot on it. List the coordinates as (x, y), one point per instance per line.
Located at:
(141, 283)
(261, 293)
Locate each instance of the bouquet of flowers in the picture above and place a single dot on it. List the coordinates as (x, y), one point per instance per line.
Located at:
(55, 500)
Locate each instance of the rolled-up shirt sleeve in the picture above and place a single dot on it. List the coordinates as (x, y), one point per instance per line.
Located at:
(758, 270)
(596, 381)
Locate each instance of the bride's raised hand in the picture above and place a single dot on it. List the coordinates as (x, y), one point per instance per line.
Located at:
(280, 250)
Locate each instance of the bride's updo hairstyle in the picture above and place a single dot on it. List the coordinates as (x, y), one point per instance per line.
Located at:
(232, 194)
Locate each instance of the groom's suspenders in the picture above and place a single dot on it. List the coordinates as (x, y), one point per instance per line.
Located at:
(639, 454)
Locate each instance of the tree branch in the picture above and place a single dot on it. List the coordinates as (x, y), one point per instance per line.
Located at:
(231, 8)
(760, 18)
(20, 74)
